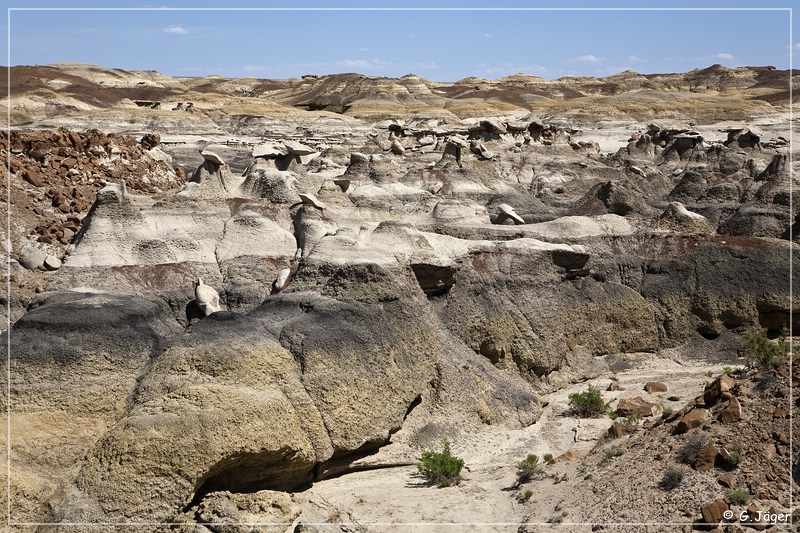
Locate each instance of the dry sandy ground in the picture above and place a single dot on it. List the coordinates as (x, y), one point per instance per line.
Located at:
(396, 499)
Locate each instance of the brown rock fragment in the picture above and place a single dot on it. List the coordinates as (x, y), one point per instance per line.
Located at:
(692, 419)
(706, 458)
(728, 480)
(33, 177)
(713, 392)
(655, 386)
(637, 406)
(713, 512)
(732, 412)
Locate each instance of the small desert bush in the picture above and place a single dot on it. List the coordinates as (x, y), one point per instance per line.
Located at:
(734, 456)
(526, 496)
(739, 496)
(442, 468)
(738, 371)
(694, 443)
(673, 476)
(632, 420)
(763, 353)
(588, 403)
(666, 411)
(527, 468)
(611, 453)
(548, 457)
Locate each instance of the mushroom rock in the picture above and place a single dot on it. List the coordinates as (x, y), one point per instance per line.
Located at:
(506, 212)
(310, 199)
(676, 217)
(207, 297)
(268, 151)
(297, 148)
(212, 157)
(281, 281)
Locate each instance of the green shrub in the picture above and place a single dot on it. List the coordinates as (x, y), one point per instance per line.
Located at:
(526, 495)
(666, 411)
(738, 371)
(673, 476)
(527, 467)
(632, 420)
(734, 456)
(739, 496)
(442, 468)
(763, 353)
(548, 457)
(588, 403)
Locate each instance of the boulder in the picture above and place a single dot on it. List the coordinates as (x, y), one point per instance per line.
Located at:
(655, 386)
(33, 177)
(616, 431)
(713, 512)
(693, 419)
(52, 262)
(149, 141)
(32, 258)
(722, 384)
(706, 458)
(731, 411)
(637, 406)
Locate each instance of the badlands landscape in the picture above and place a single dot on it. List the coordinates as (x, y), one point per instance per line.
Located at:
(386, 264)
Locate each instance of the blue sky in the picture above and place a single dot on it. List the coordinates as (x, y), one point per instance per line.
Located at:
(439, 45)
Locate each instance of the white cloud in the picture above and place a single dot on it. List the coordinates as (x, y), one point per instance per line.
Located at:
(363, 49)
(427, 66)
(724, 56)
(636, 59)
(589, 58)
(253, 68)
(177, 30)
(487, 35)
(366, 64)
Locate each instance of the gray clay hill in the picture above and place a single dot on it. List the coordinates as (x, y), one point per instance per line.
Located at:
(248, 305)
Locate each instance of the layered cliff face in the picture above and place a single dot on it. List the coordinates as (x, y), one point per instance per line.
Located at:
(407, 280)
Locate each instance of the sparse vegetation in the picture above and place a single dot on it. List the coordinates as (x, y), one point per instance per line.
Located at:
(527, 468)
(442, 468)
(588, 404)
(734, 456)
(739, 496)
(612, 452)
(764, 353)
(738, 371)
(548, 457)
(633, 420)
(558, 478)
(673, 476)
(526, 495)
(666, 411)
(694, 443)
